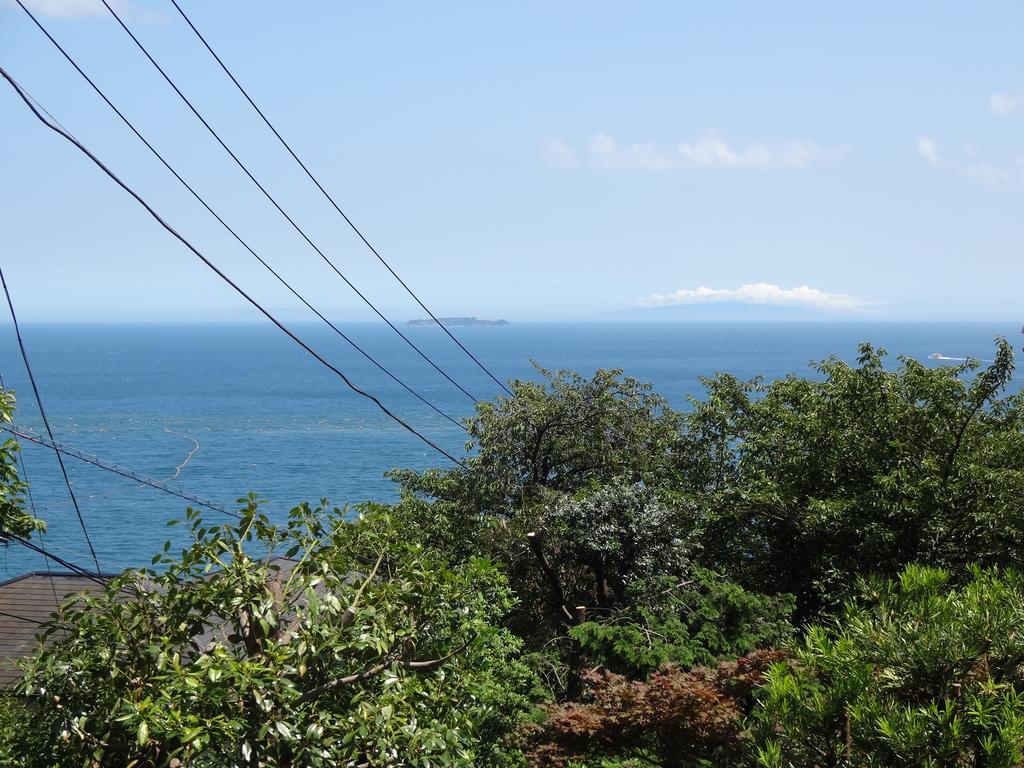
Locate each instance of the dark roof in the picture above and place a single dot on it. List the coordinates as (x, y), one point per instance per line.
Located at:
(26, 602)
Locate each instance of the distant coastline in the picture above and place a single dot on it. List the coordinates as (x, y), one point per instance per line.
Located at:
(456, 322)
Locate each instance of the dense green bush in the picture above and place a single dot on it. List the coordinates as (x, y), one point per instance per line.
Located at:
(916, 673)
(802, 485)
(362, 649)
(697, 622)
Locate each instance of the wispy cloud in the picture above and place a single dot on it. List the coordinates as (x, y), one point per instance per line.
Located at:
(709, 151)
(70, 9)
(757, 293)
(1003, 104)
(928, 148)
(982, 170)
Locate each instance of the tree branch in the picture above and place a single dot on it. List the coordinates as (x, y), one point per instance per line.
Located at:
(554, 583)
(376, 669)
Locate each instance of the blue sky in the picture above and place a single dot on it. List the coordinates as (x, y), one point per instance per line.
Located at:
(530, 160)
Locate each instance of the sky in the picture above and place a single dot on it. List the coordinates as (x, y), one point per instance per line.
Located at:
(529, 160)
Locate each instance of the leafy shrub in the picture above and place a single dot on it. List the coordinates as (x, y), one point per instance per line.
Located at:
(13, 517)
(918, 674)
(362, 649)
(699, 621)
(803, 485)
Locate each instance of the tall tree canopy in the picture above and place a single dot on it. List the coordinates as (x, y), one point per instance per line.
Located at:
(803, 484)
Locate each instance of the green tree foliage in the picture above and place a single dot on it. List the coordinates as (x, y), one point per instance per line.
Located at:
(364, 648)
(696, 622)
(557, 435)
(13, 517)
(804, 484)
(570, 491)
(916, 674)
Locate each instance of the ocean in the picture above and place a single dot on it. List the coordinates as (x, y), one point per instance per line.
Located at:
(220, 410)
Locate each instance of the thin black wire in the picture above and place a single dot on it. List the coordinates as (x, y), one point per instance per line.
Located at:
(98, 577)
(37, 622)
(224, 224)
(238, 289)
(81, 456)
(31, 500)
(331, 200)
(281, 210)
(42, 412)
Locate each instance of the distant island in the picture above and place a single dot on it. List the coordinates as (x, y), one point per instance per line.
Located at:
(457, 321)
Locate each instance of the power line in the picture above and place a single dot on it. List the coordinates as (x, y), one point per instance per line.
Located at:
(238, 289)
(224, 224)
(277, 205)
(31, 499)
(331, 200)
(61, 448)
(42, 411)
(98, 577)
(105, 562)
(22, 619)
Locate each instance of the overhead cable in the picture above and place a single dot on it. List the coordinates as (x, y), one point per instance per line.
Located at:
(97, 577)
(66, 450)
(223, 276)
(42, 410)
(26, 619)
(31, 498)
(226, 226)
(331, 200)
(277, 205)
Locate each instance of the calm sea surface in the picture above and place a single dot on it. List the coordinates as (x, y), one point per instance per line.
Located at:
(268, 418)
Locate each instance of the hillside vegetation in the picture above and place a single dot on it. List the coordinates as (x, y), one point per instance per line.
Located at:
(817, 571)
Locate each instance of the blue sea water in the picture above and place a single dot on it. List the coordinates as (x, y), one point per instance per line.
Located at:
(270, 419)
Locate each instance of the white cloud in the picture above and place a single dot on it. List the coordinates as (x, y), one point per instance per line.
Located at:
(68, 9)
(1002, 104)
(981, 170)
(710, 151)
(929, 149)
(757, 293)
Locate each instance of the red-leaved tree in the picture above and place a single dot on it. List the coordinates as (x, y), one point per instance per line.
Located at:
(678, 718)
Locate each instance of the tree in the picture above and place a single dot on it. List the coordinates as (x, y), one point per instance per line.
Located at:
(14, 520)
(571, 493)
(611, 584)
(917, 673)
(802, 485)
(555, 437)
(361, 648)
